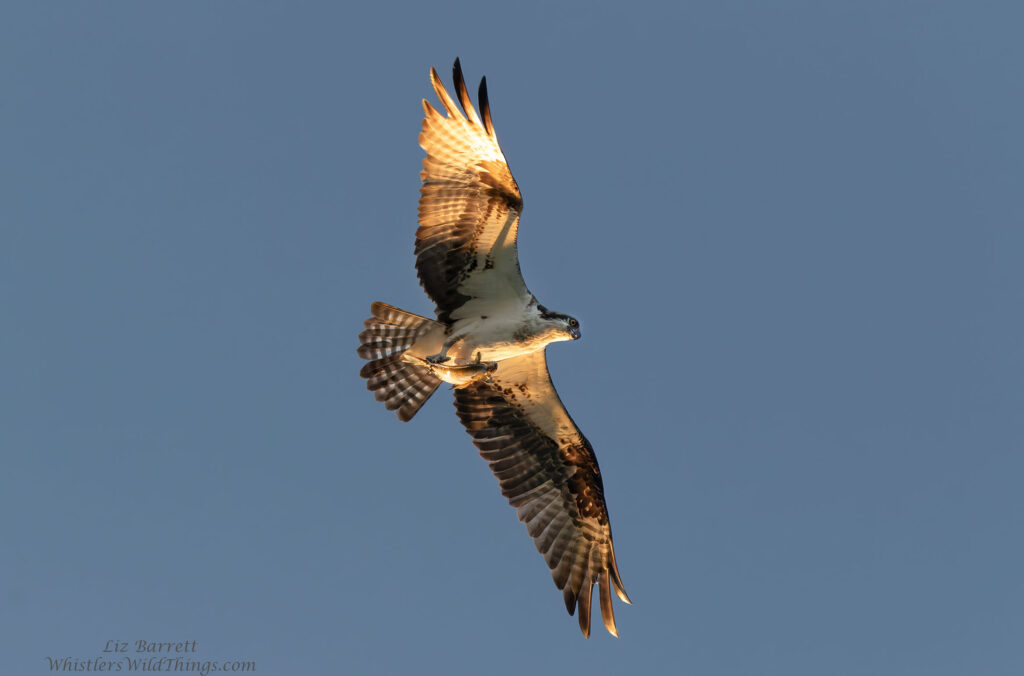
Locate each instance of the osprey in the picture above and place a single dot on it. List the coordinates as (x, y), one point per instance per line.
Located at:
(489, 342)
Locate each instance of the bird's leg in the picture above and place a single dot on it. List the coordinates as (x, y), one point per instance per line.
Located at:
(442, 356)
(467, 374)
(490, 366)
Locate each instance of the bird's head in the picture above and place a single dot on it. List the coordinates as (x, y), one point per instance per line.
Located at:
(560, 326)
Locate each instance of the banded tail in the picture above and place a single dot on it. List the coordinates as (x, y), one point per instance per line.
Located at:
(399, 384)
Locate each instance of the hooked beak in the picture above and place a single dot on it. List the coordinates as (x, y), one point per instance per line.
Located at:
(574, 331)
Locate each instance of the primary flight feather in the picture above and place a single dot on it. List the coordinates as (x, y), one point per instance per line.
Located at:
(489, 342)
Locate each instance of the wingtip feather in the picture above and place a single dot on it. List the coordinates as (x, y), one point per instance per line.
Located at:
(485, 106)
(584, 607)
(621, 593)
(620, 590)
(570, 601)
(462, 93)
(443, 95)
(607, 612)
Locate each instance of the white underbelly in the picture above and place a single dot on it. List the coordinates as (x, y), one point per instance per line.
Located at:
(492, 340)
(496, 351)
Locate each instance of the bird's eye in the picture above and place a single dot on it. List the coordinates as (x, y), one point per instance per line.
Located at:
(573, 322)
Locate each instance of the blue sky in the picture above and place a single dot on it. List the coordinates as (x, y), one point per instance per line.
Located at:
(792, 232)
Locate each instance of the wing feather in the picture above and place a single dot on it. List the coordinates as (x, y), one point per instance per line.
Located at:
(485, 106)
(547, 470)
(460, 89)
(583, 599)
(469, 205)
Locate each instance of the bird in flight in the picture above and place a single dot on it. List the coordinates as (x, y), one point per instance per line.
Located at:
(489, 342)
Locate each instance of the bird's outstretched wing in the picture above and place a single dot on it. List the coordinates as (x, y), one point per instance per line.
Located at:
(469, 206)
(548, 472)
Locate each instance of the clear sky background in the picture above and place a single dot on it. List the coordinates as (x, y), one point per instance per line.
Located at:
(793, 233)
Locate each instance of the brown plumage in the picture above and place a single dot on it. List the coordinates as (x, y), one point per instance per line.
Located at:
(548, 472)
(468, 193)
(467, 261)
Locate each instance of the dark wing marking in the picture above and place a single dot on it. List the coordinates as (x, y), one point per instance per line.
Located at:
(548, 472)
(469, 205)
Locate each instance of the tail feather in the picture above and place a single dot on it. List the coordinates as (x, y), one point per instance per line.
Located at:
(402, 386)
(390, 331)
